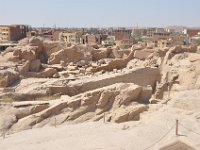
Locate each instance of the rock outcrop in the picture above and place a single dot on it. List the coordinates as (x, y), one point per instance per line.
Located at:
(8, 77)
(140, 76)
(115, 64)
(44, 81)
(71, 54)
(118, 101)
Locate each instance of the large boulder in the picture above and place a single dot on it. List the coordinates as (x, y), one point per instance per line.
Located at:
(24, 68)
(27, 53)
(79, 85)
(6, 121)
(23, 42)
(71, 54)
(91, 105)
(129, 113)
(129, 94)
(140, 76)
(46, 73)
(115, 64)
(100, 53)
(8, 77)
(143, 54)
(51, 47)
(146, 94)
(36, 41)
(35, 65)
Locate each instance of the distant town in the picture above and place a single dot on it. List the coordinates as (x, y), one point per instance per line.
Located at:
(120, 37)
(135, 84)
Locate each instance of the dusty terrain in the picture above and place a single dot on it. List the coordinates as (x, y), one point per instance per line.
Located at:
(59, 97)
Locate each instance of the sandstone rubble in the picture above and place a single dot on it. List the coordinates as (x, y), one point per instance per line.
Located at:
(42, 79)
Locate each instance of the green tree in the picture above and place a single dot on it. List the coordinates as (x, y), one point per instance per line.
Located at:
(198, 42)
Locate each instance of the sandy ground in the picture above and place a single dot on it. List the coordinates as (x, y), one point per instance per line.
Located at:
(139, 135)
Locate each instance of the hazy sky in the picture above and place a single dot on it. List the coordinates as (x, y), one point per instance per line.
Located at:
(102, 13)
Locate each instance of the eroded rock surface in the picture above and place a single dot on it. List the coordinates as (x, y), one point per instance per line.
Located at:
(120, 102)
(43, 80)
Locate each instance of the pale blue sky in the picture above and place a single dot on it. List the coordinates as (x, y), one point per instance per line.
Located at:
(102, 13)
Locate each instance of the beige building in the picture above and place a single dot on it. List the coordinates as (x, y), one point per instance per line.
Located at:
(12, 33)
(71, 37)
(5, 34)
(153, 31)
(172, 41)
(109, 41)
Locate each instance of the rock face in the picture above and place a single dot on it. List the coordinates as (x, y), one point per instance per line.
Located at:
(137, 76)
(51, 47)
(36, 41)
(46, 73)
(128, 113)
(101, 54)
(24, 68)
(115, 64)
(72, 86)
(18, 111)
(118, 101)
(8, 77)
(23, 42)
(79, 83)
(178, 63)
(35, 65)
(72, 54)
(144, 53)
(129, 94)
(27, 53)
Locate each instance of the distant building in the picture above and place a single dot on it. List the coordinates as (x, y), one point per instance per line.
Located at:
(109, 41)
(123, 38)
(169, 30)
(89, 39)
(172, 41)
(160, 36)
(122, 34)
(13, 33)
(138, 32)
(48, 35)
(152, 31)
(24, 29)
(71, 37)
(191, 32)
(31, 33)
(101, 37)
(93, 39)
(57, 35)
(179, 40)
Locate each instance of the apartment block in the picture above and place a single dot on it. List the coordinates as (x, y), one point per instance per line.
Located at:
(191, 32)
(123, 38)
(12, 33)
(109, 41)
(93, 39)
(72, 37)
(137, 32)
(122, 34)
(152, 31)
